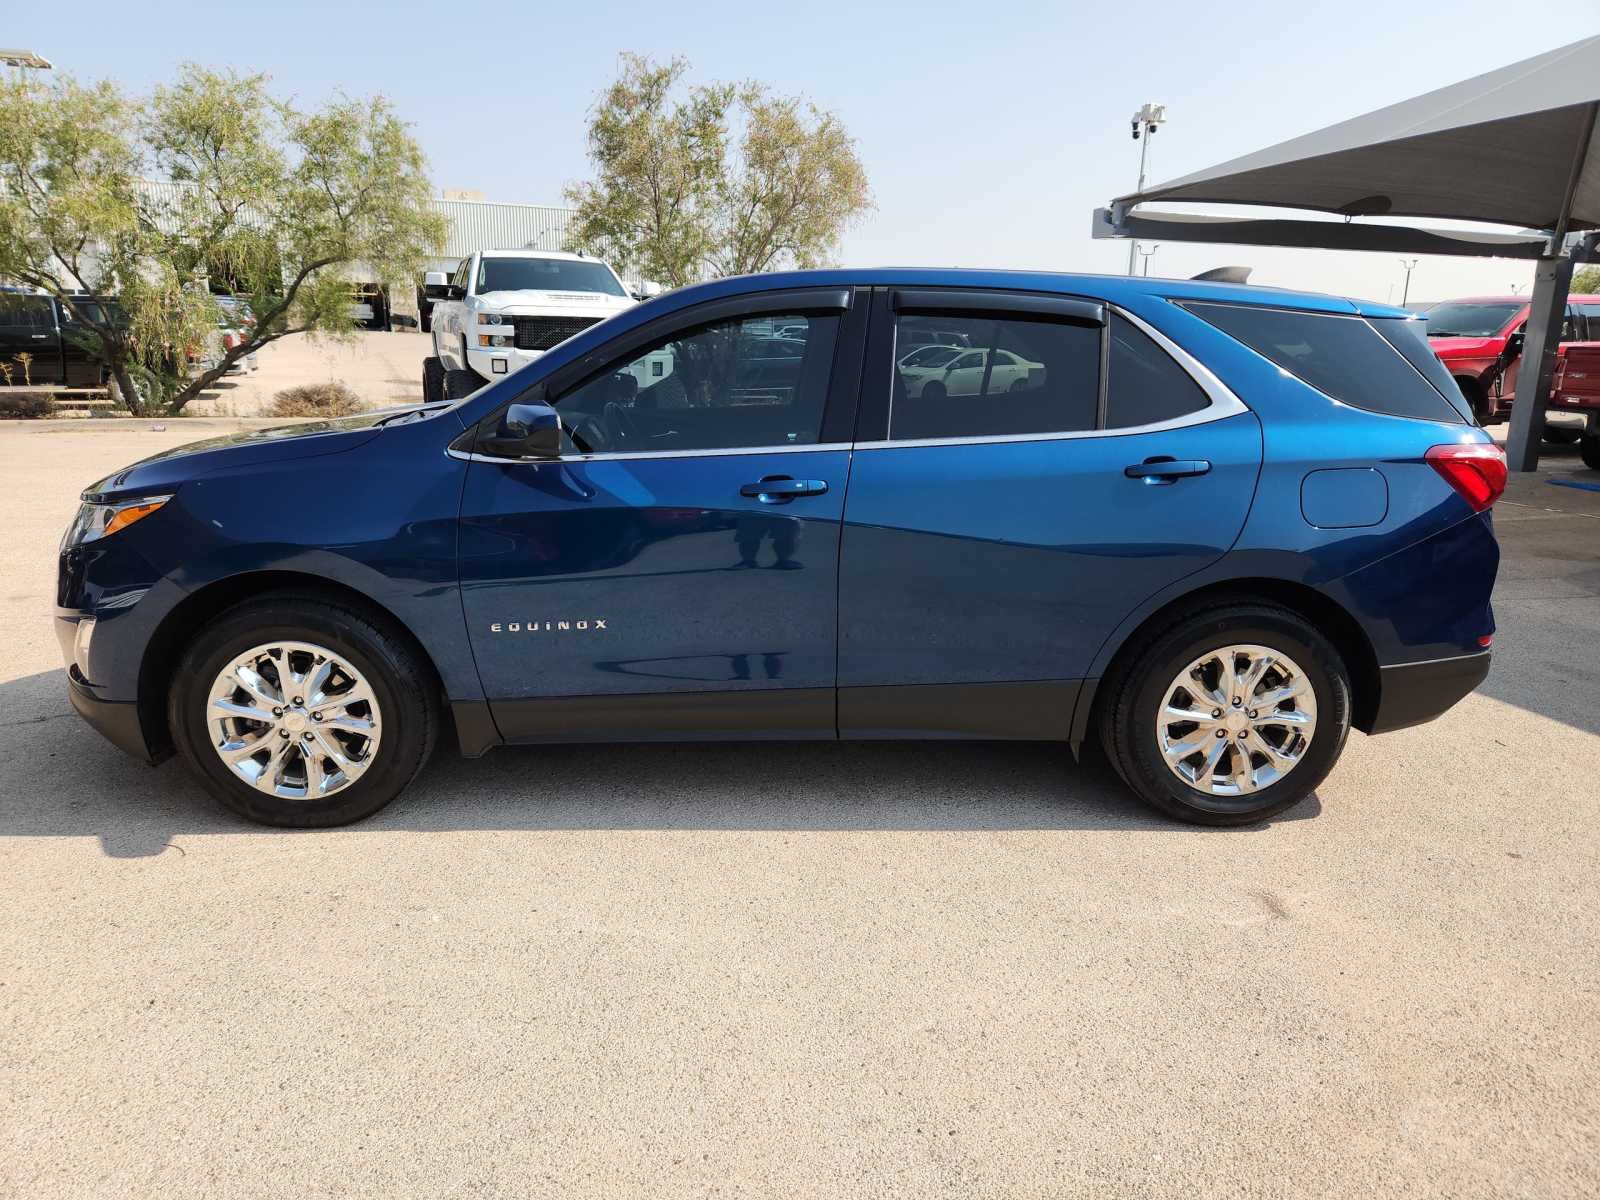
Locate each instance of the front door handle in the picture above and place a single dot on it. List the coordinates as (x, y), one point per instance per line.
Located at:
(1166, 470)
(780, 489)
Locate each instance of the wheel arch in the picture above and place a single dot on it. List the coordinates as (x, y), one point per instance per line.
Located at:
(177, 629)
(1329, 617)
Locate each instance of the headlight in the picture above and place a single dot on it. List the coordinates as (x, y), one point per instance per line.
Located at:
(95, 521)
(492, 319)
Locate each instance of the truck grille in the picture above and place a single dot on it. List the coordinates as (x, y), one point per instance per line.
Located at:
(541, 333)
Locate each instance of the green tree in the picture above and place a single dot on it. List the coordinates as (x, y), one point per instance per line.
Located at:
(718, 179)
(281, 204)
(1586, 281)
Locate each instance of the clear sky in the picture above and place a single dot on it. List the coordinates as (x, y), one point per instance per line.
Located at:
(989, 131)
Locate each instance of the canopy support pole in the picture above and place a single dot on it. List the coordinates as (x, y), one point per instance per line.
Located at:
(1547, 310)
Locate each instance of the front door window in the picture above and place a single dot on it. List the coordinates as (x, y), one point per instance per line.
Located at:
(752, 383)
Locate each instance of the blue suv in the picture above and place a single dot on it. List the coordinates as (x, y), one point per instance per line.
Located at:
(1213, 526)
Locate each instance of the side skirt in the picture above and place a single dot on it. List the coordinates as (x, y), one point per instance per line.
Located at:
(775, 714)
(1034, 711)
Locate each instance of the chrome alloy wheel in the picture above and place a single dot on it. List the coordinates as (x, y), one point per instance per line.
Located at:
(294, 720)
(1236, 720)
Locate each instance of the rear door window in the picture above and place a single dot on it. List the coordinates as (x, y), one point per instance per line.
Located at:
(1019, 377)
(1146, 386)
(1341, 356)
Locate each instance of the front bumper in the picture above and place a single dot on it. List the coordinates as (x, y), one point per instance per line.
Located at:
(1412, 693)
(498, 362)
(115, 720)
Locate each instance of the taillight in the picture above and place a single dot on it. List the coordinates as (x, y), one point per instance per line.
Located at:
(1477, 470)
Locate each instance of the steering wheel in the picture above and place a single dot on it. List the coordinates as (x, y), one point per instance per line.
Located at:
(621, 426)
(590, 435)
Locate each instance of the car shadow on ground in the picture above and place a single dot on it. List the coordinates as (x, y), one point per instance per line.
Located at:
(58, 778)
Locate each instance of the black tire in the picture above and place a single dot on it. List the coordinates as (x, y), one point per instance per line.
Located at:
(1560, 435)
(403, 682)
(432, 380)
(1589, 450)
(933, 390)
(463, 383)
(1134, 694)
(1481, 404)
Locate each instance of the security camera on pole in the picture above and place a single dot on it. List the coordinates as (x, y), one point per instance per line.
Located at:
(1145, 122)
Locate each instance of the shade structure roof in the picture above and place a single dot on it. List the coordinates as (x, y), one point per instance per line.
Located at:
(1515, 146)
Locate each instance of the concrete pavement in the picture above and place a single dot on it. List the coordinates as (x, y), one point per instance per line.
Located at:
(797, 970)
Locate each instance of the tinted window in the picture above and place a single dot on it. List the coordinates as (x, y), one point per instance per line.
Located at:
(1019, 377)
(1145, 385)
(546, 275)
(1343, 357)
(721, 386)
(26, 312)
(1411, 339)
(1455, 319)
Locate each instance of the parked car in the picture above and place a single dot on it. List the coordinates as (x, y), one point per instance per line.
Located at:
(502, 309)
(1576, 390)
(1218, 528)
(232, 329)
(42, 343)
(970, 373)
(1473, 338)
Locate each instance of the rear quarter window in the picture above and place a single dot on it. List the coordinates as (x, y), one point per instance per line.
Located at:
(1341, 356)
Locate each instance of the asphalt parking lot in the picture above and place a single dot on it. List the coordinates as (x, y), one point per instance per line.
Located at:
(859, 970)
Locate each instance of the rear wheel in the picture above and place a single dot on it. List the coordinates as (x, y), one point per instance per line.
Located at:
(1589, 449)
(1229, 716)
(432, 380)
(298, 710)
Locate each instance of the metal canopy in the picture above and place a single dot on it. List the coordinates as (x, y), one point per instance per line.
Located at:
(1516, 146)
(1500, 147)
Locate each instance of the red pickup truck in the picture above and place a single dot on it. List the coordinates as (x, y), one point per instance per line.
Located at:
(1577, 390)
(1472, 337)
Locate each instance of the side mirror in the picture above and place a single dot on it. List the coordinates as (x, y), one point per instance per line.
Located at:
(530, 431)
(436, 285)
(1514, 343)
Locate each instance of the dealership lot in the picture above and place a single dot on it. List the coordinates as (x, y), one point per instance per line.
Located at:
(810, 969)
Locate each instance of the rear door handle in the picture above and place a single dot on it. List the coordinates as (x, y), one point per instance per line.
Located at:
(780, 489)
(1165, 470)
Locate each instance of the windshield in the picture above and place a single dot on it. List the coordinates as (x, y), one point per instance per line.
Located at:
(545, 275)
(1470, 320)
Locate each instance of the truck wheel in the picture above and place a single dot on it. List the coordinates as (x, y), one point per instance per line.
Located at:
(432, 380)
(1228, 717)
(299, 710)
(1589, 449)
(1560, 435)
(1481, 403)
(460, 384)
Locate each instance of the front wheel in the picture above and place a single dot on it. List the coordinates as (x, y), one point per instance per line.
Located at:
(432, 380)
(298, 710)
(1230, 716)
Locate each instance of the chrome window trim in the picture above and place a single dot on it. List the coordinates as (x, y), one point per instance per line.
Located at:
(1224, 403)
(623, 456)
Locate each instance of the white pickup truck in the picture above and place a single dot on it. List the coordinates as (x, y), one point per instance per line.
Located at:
(504, 308)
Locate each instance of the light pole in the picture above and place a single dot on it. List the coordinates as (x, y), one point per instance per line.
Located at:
(1145, 122)
(1409, 264)
(1146, 253)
